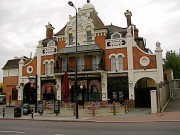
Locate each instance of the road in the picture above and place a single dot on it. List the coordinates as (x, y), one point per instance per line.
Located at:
(30, 127)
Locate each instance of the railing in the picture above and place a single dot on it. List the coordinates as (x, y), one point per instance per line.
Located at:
(80, 68)
(94, 96)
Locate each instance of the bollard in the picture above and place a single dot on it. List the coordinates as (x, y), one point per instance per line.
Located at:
(125, 107)
(74, 109)
(3, 112)
(32, 113)
(93, 109)
(114, 108)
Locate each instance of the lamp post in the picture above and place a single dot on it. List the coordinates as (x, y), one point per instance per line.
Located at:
(75, 81)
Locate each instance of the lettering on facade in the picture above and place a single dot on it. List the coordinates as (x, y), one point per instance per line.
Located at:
(118, 75)
(115, 43)
(51, 50)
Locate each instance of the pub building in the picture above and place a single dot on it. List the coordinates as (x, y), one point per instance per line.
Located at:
(113, 64)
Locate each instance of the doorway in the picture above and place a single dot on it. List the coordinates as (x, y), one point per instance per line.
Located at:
(142, 92)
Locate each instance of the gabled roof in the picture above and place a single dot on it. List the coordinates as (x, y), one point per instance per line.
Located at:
(80, 48)
(97, 21)
(112, 28)
(61, 32)
(14, 63)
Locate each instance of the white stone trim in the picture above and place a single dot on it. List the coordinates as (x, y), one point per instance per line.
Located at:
(146, 73)
(120, 54)
(120, 35)
(28, 69)
(112, 55)
(144, 61)
(46, 61)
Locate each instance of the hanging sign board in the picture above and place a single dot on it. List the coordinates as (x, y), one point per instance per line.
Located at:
(40, 107)
(56, 106)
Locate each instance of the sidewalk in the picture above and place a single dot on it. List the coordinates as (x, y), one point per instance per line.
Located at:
(136, 115)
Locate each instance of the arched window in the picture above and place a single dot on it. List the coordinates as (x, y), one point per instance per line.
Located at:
(116, 35)
(70, 39)
(51, 67)
(89, 36)
(120, 63)
(113, 63)
(46, 67)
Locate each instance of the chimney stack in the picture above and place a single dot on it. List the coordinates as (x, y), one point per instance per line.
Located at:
(128, 15)
(136, 32)
(49, 31)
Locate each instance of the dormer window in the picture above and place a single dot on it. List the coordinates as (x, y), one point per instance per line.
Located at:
(50, 43)
(89, 36)
(70, 39)
(116, 35)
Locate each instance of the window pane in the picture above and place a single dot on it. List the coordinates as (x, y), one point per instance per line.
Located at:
(51, 67)
(89, 36)
(113, 63)
(46, 68)
(120, 62)
(70, 39)
(80, 63)
(64, 64)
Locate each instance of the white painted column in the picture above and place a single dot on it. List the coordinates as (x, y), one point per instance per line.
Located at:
(159, 62)
(38, 54)
(21, 64)
(153, 101)
(104, 86)
(20, 87)
(129, 43)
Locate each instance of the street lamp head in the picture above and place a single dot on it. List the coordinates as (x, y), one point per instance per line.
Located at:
(71, 4)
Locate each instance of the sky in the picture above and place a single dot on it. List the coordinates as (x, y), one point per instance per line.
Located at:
(22, 22)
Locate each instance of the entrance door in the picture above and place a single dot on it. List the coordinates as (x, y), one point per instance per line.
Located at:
(117, 89)
(29, 94)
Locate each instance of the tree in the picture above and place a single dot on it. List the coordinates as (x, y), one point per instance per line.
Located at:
(172, 61)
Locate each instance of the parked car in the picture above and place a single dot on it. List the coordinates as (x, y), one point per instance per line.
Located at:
(2, 99)
(26, 109)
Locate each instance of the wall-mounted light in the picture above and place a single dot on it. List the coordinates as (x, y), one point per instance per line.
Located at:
(144, 67)
(81, 86)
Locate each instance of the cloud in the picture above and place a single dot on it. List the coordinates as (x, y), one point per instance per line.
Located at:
(23, 22)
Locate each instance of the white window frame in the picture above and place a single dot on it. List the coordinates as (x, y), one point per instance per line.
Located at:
(89, 36)
(51, 67)
(95, 61)
(70, 39)
(46, 66)
(80, 63)
(64, 63)
(113, 63)
(120, 63)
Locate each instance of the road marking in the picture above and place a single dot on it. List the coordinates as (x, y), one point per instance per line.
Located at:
(17, 132)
